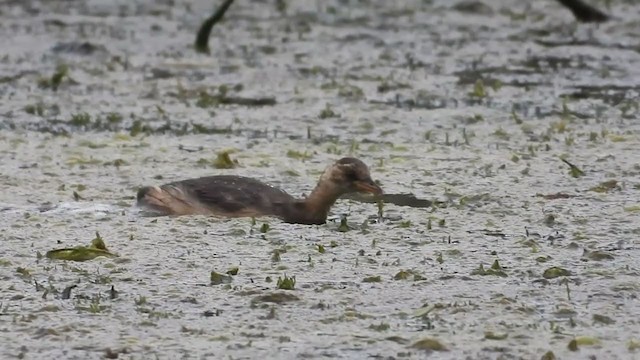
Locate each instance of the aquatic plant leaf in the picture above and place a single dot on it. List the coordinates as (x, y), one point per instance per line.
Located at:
(490, 335)
(294, 154)
(554, 272)
(343, 225)
(597, 255)
(96, 249)
(275, 256)
(578, 341)
(224, 161)
(397, 339)
(633, 345)
(402, 275)
(418, 277)
(55, 80)
(574, 171)
(496, 265)
(494, 270)
(603, 319)
(274, 298)
(217, 278)
(380, 327)
(425, 310)
(286, 283)
(98, 243)
(23, 272)
(429, 344)
(80, 253)
(479, 90)
(606, 186)
(555, 196)
(327, 112)
(405, 224)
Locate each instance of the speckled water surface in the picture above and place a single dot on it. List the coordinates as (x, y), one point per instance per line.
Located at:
(473, 109)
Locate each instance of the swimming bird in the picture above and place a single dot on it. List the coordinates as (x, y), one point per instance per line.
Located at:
(239, 196)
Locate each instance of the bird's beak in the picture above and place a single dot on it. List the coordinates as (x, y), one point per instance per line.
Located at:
(368, 186)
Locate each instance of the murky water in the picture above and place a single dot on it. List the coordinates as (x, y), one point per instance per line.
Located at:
(471, 111)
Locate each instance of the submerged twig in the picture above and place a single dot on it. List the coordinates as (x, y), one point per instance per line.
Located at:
(247, 101)
(396, 199)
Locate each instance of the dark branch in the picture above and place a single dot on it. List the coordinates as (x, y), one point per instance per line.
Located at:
(584, 12)
(202, 39)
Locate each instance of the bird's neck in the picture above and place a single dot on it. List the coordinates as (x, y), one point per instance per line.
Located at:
(315, 207)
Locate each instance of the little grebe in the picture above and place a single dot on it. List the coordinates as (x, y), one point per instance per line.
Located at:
(237, 196)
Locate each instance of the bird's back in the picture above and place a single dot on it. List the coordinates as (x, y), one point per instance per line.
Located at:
(224, 195)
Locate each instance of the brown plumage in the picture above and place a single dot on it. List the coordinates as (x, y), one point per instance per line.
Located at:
(237, 196)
